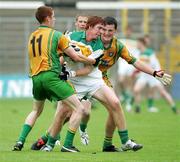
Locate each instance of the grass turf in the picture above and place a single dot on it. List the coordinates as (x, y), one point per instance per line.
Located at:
(158, 132)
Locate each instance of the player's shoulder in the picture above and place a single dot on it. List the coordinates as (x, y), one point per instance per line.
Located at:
(56, 32)
(77, 34)
(119, 43)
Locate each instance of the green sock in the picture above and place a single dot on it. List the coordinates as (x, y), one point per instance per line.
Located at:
(83, 127)
(150, 102)
(132, 100)
(174, 109)
(51, 141)
(58, 137)
(69, 138)
(137, 108)
(24, 133)
(125, 95)
(123, 135)
(45, 136)
(107, 142)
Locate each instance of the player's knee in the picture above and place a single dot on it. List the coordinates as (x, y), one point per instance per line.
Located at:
(87, 111)
(37, 112)
(81, 110)
(115, 104)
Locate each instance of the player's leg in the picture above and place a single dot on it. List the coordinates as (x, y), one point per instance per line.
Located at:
(109, 131)
(29, 123)
(138, 87)
(122, 80)
(38, 105)
(59, 90)
(150, 100)
(109, 99)
(74, 123)
(129, 92)
(167, 97)
(63, 112)
(85, 119)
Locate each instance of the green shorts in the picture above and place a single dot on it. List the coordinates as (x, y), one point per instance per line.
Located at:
(47, 85)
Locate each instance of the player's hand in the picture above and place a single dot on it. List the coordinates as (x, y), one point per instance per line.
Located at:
(97, 55)
(65, 75)
(163, 77)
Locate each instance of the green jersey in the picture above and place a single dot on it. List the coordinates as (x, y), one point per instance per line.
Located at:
(80, 36)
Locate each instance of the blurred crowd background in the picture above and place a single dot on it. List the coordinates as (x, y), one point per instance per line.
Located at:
(163, 26)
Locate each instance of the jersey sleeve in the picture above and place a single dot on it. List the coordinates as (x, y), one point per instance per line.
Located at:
(63, 42)
(125, 54)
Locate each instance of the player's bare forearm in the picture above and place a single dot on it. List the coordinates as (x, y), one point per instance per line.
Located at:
(84, 71)
(86, 60)
(141, 66)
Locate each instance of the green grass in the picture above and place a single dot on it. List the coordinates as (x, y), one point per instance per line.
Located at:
(158, 132)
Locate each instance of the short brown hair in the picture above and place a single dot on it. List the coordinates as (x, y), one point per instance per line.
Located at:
(43, 12)
(81, 15)
(94, 20)
(141, 40)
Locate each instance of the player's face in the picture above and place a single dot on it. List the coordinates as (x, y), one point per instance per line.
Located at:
(107, 33)
(96, 30)
(51, 20)
(81, 23)
(140, 45)
(147, 40)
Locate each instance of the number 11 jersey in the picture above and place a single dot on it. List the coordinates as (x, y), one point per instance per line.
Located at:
(43, 49)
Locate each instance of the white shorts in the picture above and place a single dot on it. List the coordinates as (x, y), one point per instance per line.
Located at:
(145, 79)
(87, 90)
(125, 69)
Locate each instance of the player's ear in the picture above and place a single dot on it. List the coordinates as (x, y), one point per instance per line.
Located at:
(75, 23)
(47, 19)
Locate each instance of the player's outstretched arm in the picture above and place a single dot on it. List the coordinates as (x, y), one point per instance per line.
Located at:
(158, 74)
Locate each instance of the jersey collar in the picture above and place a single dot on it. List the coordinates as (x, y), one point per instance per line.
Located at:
(109, 44)
(43, 26)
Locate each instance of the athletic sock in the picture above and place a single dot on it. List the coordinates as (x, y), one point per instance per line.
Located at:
(58, 137)
(150, 102)
(123, 136)
(24, 133)
(83, 127)
(107, 142)
(137, 109)
(174, 109)
(124, 96)
(51, 141)
(45, 137)
(69, 138)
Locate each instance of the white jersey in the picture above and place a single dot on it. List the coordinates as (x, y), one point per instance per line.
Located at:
(85, 85)
(123, 67)
(153, 62)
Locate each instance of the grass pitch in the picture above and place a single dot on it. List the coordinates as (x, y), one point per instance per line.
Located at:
(158, 132)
